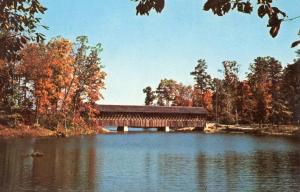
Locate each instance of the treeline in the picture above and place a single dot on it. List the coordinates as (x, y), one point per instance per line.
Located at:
(270, 94)
(52, 84)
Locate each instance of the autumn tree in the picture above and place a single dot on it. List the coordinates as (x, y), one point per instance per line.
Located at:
(36, 74)
(245, 102)
(59, 81)
(265, 78)
(183, 95)
(89, 80)
(48, 68)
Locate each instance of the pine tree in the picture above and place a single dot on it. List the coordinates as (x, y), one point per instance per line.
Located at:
(202, 83)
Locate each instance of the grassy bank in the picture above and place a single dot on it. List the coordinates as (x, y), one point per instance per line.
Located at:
(34, 131)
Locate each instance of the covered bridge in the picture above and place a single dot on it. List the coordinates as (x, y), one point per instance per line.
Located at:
(163, 118)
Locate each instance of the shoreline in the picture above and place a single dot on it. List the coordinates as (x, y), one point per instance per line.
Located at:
(32, 131)
(281, 130)
(211, 128)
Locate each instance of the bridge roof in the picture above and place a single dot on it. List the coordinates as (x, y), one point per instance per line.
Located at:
(151, 109)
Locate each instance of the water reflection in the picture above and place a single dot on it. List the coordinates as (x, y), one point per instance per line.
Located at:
(68, 164)
(151, 162)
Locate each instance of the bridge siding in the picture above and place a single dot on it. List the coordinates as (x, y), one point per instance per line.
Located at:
(152, 120)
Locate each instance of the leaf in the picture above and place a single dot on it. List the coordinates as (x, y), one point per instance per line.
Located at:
(276, 10)
(159, 5)
(23, 40)
(207, 6)
(262, 11)
(240, 7)
(274, 30)
(296, 43)
(248, 7)
(226, 7)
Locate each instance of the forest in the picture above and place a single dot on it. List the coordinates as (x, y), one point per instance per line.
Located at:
(270, 93)
(54, 84)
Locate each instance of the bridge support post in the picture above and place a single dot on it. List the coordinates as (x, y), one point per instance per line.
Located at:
(122, 128)
(164, 129)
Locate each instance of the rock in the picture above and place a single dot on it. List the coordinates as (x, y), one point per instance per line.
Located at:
(103, 130)
(185, 129)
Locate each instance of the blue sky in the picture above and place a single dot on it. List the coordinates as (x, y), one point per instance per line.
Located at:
(141, 50)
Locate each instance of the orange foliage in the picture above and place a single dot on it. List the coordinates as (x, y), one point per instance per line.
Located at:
(59, 84)
(208, 100)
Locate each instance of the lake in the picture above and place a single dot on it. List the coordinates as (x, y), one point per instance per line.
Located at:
(151, 161)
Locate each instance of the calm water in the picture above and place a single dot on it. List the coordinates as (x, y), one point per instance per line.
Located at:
(151, 162)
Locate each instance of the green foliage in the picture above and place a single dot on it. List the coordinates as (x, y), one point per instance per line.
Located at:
(202, 83)
(202, 78)
(150, 95)
(166, 92)
(169, 93)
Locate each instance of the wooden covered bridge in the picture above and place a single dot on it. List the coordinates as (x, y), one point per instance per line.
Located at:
(163, 118)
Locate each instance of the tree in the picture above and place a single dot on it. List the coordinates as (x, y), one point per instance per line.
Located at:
(291, 88)
(203, 81)
(218, 98)
(265, 80)
(89, 80)
(9, 85)
(169, 93)
(184, 95)
(48, 68)
(245, 102)
(166, 92)
(57, 82)
(230, 85)
(150, 95)
(18, 22)
(222, 7)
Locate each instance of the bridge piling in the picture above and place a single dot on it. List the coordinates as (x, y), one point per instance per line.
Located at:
(164, 129)
(123, 128)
